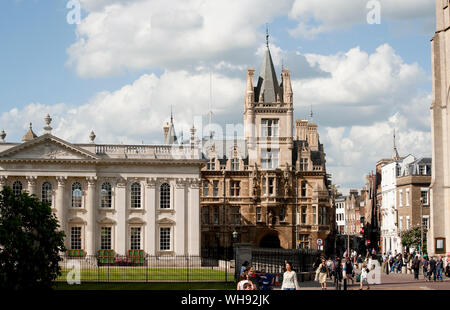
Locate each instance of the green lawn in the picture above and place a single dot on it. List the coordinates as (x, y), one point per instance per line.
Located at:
(145, 286)
(105, 274)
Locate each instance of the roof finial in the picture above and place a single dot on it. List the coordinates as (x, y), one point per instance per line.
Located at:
(395, 153)
(311, 114)
(48, 128)
(171, 115)
(267, 35)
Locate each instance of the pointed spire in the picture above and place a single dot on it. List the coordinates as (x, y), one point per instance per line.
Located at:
(395, 155)
(268, 89)
(171, 137)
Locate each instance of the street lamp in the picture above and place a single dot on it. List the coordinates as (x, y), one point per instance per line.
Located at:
(235, 235)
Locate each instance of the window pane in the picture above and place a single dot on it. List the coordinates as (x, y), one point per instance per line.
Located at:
(165, 196)
(75, 238)
(135, 242)
(105, 241)
(17, 188)
(136, 196)
(77, 195)
(105, 195)
(164, 239)
(47, 193)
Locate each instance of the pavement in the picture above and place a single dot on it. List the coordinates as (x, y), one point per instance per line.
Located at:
(392, 281)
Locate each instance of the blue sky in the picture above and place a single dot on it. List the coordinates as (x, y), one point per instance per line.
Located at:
(50, 66)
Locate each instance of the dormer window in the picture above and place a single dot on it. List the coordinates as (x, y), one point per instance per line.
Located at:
(235, 164)
(269, 159)
(211, 164)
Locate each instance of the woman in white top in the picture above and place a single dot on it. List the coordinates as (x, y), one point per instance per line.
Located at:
(364, 276)
(290, 279)
(244, 279)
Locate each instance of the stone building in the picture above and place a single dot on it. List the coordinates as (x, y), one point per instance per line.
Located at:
(270, 188)
(111, 196)
(413, 202)
(439, 233)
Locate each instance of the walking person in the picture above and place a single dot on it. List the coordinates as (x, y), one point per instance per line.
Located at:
(432, 269)
(425, 266)
(330, 267)
(364, 277)
(337, 273)
(290, 279)
(415, 267)
(322, 270)
(439, 268)
(348, 269)
(266, 281)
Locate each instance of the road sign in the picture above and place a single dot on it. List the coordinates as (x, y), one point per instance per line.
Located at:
(319, 242)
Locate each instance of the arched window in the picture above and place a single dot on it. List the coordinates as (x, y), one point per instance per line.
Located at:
(17, 188)
(105, 195)
(47, 191)
(135, 196)
(164, 195)
(77, 195)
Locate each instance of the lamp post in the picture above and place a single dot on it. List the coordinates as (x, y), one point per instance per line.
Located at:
(421, 226)
(235, 235)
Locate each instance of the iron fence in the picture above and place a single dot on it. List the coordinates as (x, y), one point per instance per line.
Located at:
(148, 268)
(274, 260)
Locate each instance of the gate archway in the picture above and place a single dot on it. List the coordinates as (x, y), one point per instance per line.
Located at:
(270, 241)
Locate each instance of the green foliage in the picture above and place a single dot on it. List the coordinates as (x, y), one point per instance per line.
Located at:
(411, 238)
(30, 242)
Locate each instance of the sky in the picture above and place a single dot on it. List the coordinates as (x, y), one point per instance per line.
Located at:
(363, 66)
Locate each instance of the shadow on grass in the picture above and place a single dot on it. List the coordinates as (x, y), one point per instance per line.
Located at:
(145, 286)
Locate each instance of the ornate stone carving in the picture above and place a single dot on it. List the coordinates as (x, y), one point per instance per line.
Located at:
(91, 181)
(181, 183)
(61, 181)
(151, 182)
(195, 183)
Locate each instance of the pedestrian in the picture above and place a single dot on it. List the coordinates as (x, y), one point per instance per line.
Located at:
(338, 273)
(265, 280)
(348, 269)
(432, 269)
(359, 260)
(289, 279)
(322, 271)
(254, 278)
(374, 253)
(244, 267)
(364, 277)
(439, 268)
(425, 266)
(244, 279)
(415, 267)
(330, 267)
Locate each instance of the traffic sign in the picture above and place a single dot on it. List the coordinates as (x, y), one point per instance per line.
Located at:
(319, 242)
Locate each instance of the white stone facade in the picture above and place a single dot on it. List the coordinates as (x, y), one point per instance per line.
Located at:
(148, 189)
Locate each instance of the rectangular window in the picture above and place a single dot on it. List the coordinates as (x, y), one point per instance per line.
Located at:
(205, 215)
(215, 188)
(400, 198)
(424, 196)
(264, 185)
(304, 213)
(75, 238)
(235, 188)
(235, 164)
(205, 188)
(283, 214)
(322, 215)
(235, 215)
(303, 241)
(258, 214)
(216, 215)
(105, 242)
(407, 197)
(304, 164)
(211, 165)
(426, 221)
(135, 238)
(423, 170)
(271, 186)
(164, 238)
(269, 159)
(401, 222)
(408, 222)
(440, 245)
(269, 127)
(314, 215)
(303, 189)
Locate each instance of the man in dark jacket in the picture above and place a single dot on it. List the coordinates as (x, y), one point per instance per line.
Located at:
(433, 269)
(416, 267)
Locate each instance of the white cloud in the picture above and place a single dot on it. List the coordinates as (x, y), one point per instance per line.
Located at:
(134, 113)
(315, 17)
(135, 35)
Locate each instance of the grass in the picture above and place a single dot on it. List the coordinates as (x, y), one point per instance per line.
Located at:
(145, 286)
(105, 274)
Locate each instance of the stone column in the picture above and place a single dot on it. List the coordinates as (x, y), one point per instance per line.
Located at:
(121, 209)
(31, 185)
(150, 208)
(60, 208)
(180, 212)
(91, 209)
(193, 227)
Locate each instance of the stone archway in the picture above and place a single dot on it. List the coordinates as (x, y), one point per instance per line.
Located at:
(270, 241)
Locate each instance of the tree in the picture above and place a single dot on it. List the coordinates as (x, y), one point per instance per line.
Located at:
(30, 243)
(411, 238)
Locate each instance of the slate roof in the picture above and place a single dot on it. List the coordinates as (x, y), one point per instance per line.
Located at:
(267, 82)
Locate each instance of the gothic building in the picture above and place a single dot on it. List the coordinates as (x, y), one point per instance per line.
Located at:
(270, 188)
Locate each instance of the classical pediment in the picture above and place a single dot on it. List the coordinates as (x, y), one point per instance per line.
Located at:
(165, 221)
(47, 147)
